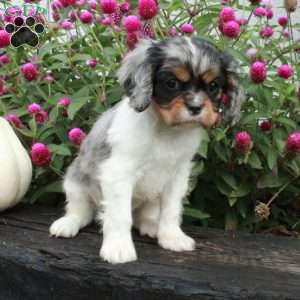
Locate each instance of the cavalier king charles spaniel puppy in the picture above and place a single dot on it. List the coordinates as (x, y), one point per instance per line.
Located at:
(133, 167)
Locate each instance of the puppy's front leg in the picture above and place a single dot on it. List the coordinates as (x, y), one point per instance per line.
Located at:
(117, 244)
(170, 235)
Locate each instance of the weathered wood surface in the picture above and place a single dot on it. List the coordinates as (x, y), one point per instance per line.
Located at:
(224, 266)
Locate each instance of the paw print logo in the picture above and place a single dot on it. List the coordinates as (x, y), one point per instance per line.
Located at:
(24, 31)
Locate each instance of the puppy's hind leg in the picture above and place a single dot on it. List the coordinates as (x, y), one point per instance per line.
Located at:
(79, 212)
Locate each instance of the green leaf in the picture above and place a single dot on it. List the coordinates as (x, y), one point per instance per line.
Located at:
(254, 161)
(60, 149)
(269, 181)
(271, 158)
(232, 201)
(54, 187)
(80, 57)
(230, 180)
(195, 213)
(203, 149)
(289, 123)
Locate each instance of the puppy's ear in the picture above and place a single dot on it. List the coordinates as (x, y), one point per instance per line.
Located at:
(135, 75)
(233, 90)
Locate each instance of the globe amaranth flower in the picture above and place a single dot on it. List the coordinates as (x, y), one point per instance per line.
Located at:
(251, 53)
(187, 28)
(265, 125)
(172, 31)
(285, 71)
(29, 71)
(242, 21)
(283, 20)
(258, 72)
(92, 62)
(286, 33)
(109, 6)
(269, 13)
(106, 21)
(67, 25)
(132, 24)
(243, 142)
(147, 9)
(266, 32)
(131, 40)
(260, 12)
(64, 102)
(293, 142)
(117, 17)
(76, 136)
(86, 17)
(4, 39)
(4, 59)
(227, 14)
(56, 5)
(93, 4)
(14, 120)
(34, 108)
(41, 117)
(125, 7)
(40, 155)
(231, 29)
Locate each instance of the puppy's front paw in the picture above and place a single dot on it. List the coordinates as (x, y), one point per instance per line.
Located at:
(118, 251)
(66, 227)
(176, 241)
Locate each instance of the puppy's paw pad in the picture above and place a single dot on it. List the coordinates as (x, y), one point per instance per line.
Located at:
(148, 228)
(177, 242)
(65, 227)
(118, 251)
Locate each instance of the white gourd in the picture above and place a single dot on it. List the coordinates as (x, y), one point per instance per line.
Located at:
(15, 167)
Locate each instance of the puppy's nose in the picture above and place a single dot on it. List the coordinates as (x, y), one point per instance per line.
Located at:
(194, 109)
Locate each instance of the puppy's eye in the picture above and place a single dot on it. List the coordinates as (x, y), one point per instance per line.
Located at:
(172, 83)
(213, 87)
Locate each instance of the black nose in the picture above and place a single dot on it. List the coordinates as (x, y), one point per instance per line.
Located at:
(194, 109)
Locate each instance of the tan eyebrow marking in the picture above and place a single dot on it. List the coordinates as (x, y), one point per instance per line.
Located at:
(209, 75)
(182, 74)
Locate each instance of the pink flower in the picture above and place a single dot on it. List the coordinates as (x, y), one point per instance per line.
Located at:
(76, 136)
(147, 9)
(131, 40)
(106, 21)
(93, 4)
(243, 142)
(285, 71)
(30, 71)
(286, 33)
(266, 32)
(49, 78)
(40, 155)
(14, 120)
(258, 72)
(4, 39)
(55, 16)
(265, 125)
(132, 23)
(260, 12)
(242, 21)
(283, 20)
(269, 13)
(4, 59)
(227, 14)
(251, 53)
(86, 17)
(117, 17)
(72, 15)
(67, 25)
(34, 108)
(80, 3)
(173, 31)
(231, 29)
(125, 7)
(41, 117)
(56, 5)
(187, 28)
(65, 102)
(293, 142)
(109, 6)
(92, 62)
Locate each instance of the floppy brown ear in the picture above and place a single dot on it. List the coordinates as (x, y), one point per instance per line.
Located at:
(233, 90)
(135, 75)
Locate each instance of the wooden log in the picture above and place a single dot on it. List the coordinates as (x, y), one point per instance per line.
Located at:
(224, 266)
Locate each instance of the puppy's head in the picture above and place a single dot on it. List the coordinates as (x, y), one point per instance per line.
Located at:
(184, 79)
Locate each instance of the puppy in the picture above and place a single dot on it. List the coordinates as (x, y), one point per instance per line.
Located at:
(133, 167)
